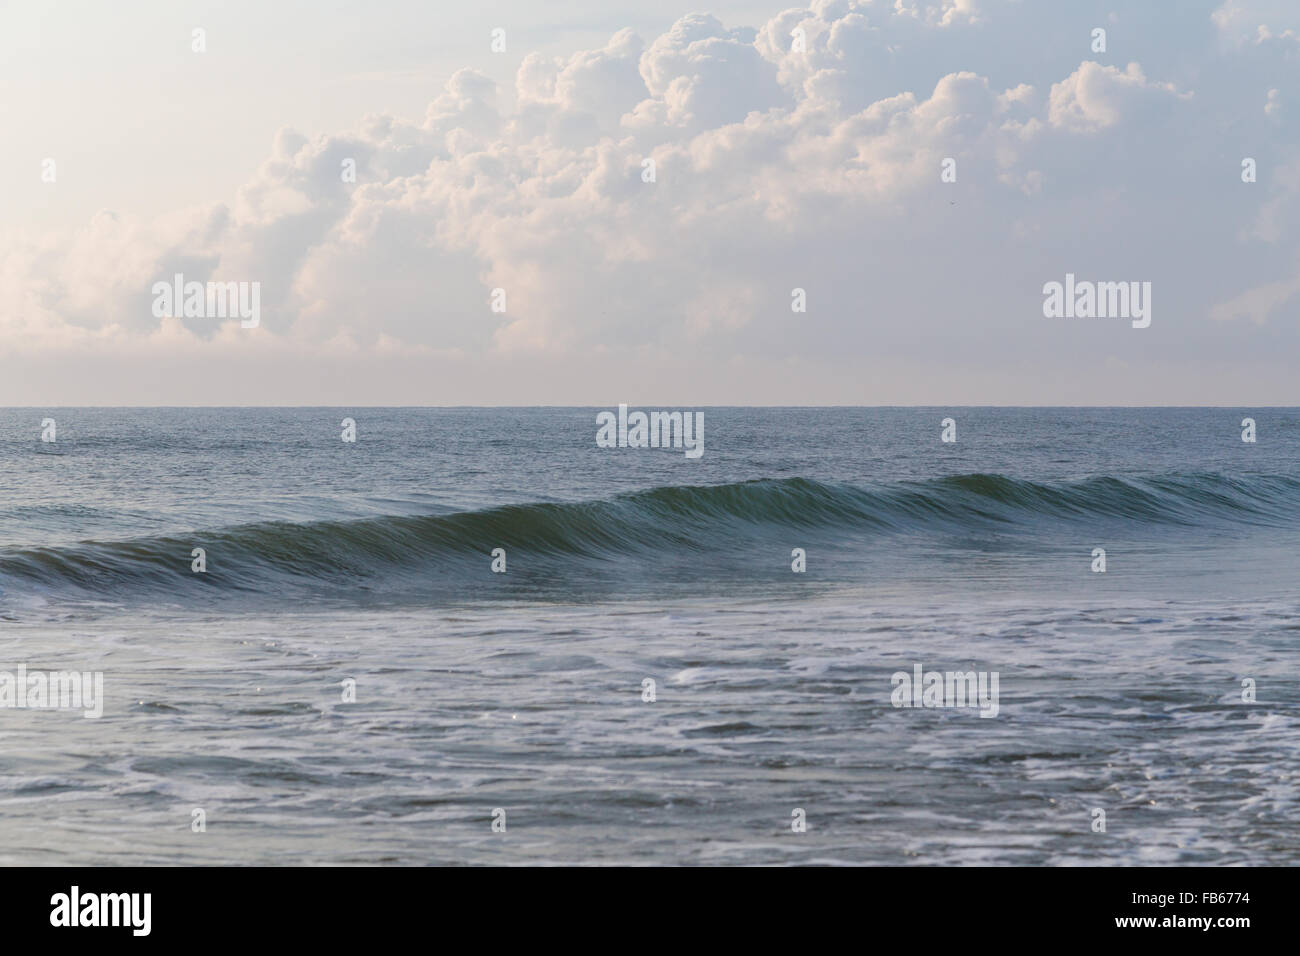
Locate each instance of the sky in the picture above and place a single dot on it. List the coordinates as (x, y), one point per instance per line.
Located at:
(920, 169)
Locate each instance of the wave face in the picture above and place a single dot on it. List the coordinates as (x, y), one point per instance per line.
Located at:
(553, 544)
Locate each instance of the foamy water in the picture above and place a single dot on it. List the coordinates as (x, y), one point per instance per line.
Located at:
(524, 691)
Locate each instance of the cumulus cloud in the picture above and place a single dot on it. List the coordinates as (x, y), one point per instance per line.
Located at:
(943, 12)
(1095, 97)
(774, 167)
(1257, 21)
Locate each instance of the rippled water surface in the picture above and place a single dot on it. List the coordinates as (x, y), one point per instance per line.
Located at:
(523, 691)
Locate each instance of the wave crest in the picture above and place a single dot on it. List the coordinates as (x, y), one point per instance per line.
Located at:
(269, 557)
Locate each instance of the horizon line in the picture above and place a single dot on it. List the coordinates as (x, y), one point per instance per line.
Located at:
(652, 404)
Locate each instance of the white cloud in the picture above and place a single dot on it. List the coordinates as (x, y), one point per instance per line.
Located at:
(774, 168)
(1259, 303)
(942, 12)
(1257, 21)
(1095, 97)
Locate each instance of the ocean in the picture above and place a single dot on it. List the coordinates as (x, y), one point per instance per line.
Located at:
(648, 681)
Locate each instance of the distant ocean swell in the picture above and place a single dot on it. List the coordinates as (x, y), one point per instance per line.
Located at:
(562, 539)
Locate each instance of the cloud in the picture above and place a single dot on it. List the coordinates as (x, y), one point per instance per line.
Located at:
(1259, 303)
(944, 13)
(1257, 21)
(1095, 97)
(775, 167)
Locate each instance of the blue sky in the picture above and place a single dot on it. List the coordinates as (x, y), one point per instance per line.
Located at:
(776, 168)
